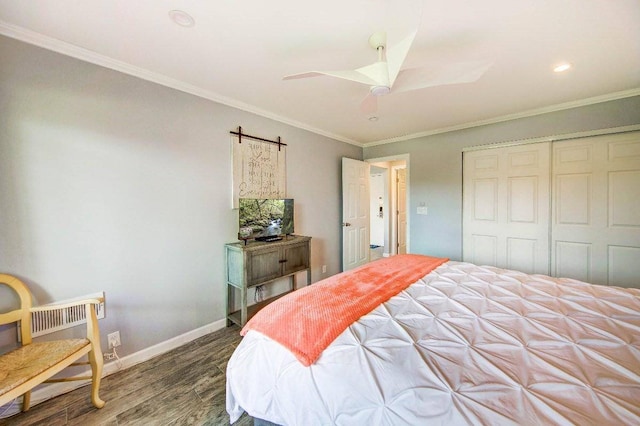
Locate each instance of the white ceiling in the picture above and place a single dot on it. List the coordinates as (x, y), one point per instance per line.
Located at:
(239, 50)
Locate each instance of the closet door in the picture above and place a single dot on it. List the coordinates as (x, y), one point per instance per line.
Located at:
(506, 207)
(596, 209)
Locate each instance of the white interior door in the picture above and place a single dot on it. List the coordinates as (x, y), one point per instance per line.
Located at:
(506, 207)
(401, 179)
(596, 209)
(355, 213)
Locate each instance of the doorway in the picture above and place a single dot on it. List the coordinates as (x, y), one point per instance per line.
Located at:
(379, 209)
(389, 183)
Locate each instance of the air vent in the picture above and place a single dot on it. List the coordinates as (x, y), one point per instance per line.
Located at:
(59, 319)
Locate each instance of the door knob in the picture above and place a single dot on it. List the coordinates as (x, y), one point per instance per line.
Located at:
(346, 224)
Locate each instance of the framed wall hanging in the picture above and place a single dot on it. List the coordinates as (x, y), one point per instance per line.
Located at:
(259, 167)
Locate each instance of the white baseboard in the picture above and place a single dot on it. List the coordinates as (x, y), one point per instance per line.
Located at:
(48, 391)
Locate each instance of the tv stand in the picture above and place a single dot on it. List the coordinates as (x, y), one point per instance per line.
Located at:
(262, 263)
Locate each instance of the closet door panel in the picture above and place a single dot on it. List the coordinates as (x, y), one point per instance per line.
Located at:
(572, 157)
(574, 199)
(573, 260)
(522, 254)
(506, 207)
(484, 249)
(523, 200)
(624, 266)
(623, 207)
(485, 206)
(596, 204)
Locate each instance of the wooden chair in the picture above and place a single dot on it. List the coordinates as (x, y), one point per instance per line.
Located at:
(34, 363)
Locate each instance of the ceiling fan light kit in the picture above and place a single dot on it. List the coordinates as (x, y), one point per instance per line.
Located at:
(379, 90)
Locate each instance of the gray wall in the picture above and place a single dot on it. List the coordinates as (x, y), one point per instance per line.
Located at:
(109, 182)
(436, 165)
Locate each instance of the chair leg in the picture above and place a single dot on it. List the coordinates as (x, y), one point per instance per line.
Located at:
(96, 373)
(26, 400)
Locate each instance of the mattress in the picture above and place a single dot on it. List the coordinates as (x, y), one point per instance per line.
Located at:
(463, 345)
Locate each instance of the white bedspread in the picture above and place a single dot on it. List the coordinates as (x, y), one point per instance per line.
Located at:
(464, 345)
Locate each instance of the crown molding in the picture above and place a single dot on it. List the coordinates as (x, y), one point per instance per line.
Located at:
(68, 49)
(530, 113)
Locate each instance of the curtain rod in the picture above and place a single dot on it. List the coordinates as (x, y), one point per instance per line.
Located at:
(240, 135)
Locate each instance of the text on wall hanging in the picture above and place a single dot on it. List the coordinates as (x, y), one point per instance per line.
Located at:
(259, 167)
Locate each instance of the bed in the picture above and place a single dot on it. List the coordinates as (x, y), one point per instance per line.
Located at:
(463, 344)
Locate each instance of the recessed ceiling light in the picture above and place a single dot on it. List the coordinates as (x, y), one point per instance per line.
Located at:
(373, 118)
(182, 18)
(562, 67)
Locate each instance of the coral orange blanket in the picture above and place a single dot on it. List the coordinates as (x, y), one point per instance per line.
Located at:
(308, 320)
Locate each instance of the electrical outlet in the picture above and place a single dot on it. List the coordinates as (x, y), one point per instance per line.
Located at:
(324, 269)
(113, 339)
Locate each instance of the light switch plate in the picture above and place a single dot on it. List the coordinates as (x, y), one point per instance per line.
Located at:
(422, 210)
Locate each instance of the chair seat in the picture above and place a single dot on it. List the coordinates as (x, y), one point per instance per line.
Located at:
(19, 365)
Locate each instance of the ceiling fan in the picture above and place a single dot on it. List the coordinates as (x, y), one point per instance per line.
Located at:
(385, 76)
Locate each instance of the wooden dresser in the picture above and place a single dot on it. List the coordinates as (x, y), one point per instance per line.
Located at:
(260, 263)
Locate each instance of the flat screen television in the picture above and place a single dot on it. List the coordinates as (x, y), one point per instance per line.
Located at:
(268, 219)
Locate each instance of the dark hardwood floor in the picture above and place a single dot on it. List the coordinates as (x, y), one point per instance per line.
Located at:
(185, 386)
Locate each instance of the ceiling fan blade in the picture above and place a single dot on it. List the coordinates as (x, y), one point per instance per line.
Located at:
(397, 53)
(369, 104)
(352, 75)
(440, 75)
(377, 72)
